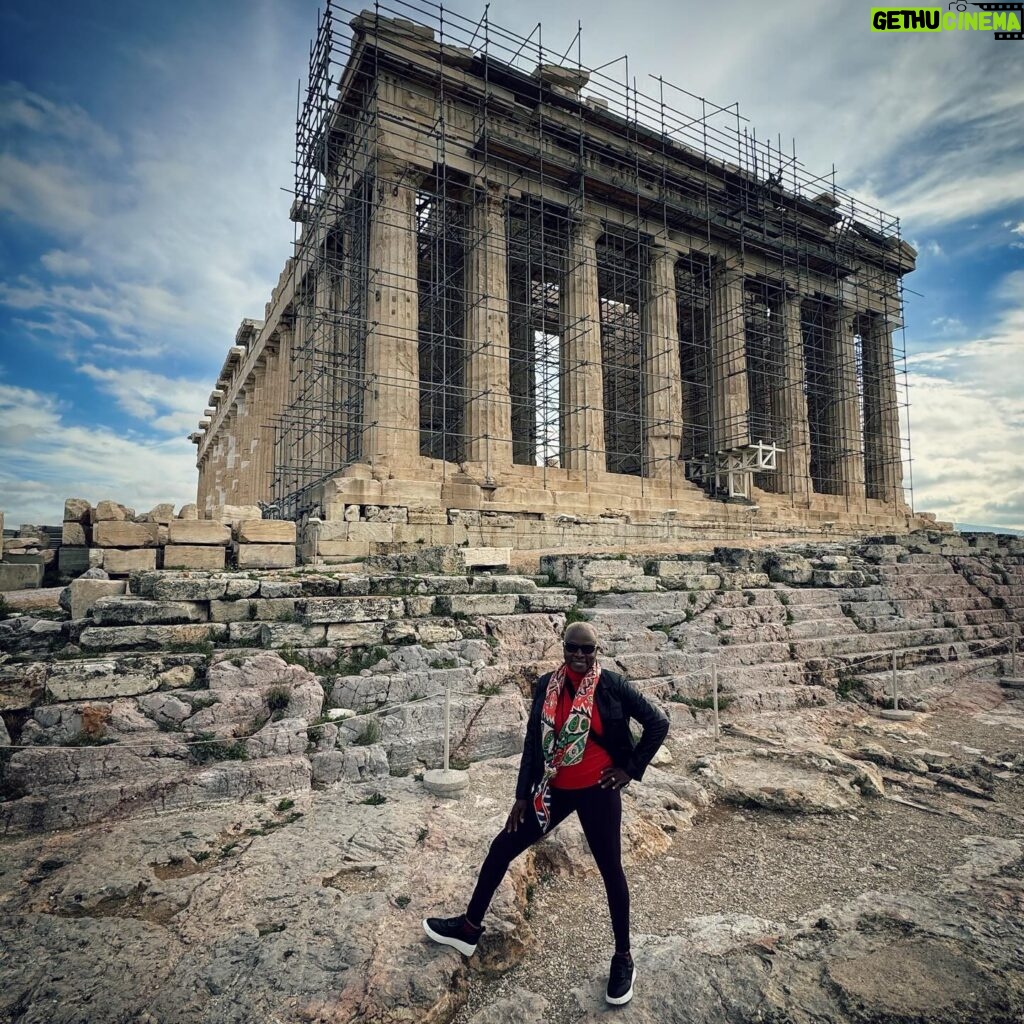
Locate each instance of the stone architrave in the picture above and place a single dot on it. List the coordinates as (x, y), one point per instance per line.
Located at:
(488, 415)
(582, 376)
(848, 433)
(794, 464)
(883, 462)
(391, 414)
(662, 376)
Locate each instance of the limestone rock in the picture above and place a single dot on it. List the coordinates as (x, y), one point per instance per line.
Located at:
(277, 739)
(77, 510)
(189, 512)
(112, 512)
(133, 611)
(84, 594)
(790, 568)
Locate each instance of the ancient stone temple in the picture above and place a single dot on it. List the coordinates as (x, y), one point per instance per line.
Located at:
(524, 295)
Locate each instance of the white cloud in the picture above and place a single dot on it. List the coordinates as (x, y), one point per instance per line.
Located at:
(166, 405)
(65, 264)
(45, 460)
(21, 108)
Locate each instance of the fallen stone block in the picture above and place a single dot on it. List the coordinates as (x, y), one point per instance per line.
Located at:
(125, 535)
(119, 563)
(793, 569)
(77, 510)
(744, 580)
(20, 577)
(193, 556)
(234, 514)
(486, 558)
(139, 611)
(231, 611)
(199, 531)
(547, 601)
(73, 535)
(838, 578)
(349, 609)
(112, 512)
(266, 531)
(73, 561)
(97, 679)
(164, 586)
(85, 594)
(265, 556)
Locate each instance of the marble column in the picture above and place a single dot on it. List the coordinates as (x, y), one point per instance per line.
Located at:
(581, 378)
(849, 465)
(391, 414)
(662, 375)
(522, 372)
(794, 464)
(730, 400)
(488, 412)
(883, 456)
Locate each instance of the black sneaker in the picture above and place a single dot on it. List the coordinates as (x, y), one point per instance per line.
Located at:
(456, 932)
(620, 980)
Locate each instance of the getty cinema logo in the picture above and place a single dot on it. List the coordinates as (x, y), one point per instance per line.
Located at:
(1004, 20)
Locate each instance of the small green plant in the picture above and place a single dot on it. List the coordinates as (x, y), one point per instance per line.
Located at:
(783, 597)
(402, 902)
(489, 689)
(207, 748)
(421, 836)
(703, 702)
(369, 735)
(691, 598)
(201, 856)
(229, 848)
(492, 642)
(278, 698)
(441, 663)
(205, 648)
(360, 658)
(285, 804)
(375, 800)
(661, 627)
(86, 739)
(398, 773)
(575, 615)
(847, 684)
(750, 596)
(459, 764)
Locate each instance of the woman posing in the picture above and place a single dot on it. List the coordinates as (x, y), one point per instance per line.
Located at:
(578, 755)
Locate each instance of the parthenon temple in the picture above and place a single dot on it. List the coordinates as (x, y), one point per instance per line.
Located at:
(526, 290)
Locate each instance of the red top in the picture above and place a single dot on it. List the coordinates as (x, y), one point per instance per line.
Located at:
(587, 771)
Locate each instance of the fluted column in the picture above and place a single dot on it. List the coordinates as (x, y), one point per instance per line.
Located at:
(729, 395)
(488, 413)
(662, 376)
(883, 457)
(581, 378)
(391, 405)
(794, 465)
(522, 370)
(848, 434)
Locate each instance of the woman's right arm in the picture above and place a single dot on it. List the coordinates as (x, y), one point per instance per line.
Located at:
(531, 746)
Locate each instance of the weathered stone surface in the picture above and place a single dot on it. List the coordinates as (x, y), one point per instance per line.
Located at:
(352, 764)
(355, 634)
(73, 535)
(162, 514)
(477, 604)
(20, 577)
(77, 510)
(349, 609)
(94, 679)
(266, 531)
(120, 562)
(85, 593)
(191, 556)
(111, 512)
(163, 586)
(190, 511)
(265, 556)
(137, 611)
(278, 739)
(199, 531)
(234, 514)
(491, 558)
(110, 638)
(273, 609)
(838, 578)
(790, 568)
(291, 634)
(547, 601)
(73, 561)
(281, 588)
(114, 534)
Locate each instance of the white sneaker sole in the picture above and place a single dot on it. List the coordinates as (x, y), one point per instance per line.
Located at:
(463, 947)
(622, 1000)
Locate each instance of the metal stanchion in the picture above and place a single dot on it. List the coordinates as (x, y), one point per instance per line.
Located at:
(714, 699)
(1013, 681)
(446, 781)
(895, 713)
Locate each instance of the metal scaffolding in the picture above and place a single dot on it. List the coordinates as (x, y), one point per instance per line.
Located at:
(569, 143)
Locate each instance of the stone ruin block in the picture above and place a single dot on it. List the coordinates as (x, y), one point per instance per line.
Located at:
(77, 510)
(199, 532)
(140, 611)
(118, 534)
(20, 577)
(74, 535)
(266, 531)
(119, 562)
(112, 512)
(193, 556)
(265, 556)
(85, 594)
(315, 610)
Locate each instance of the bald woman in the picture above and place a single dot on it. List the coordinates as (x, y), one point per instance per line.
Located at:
(578, 755)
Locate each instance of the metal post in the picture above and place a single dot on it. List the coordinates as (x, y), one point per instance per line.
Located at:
(447, 719)
(714, 697)
(895, 690)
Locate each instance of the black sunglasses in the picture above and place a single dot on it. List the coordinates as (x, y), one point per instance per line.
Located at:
(581, 648)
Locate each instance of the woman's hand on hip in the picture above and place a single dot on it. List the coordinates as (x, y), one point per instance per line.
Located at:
(615, 778)
(517, 815)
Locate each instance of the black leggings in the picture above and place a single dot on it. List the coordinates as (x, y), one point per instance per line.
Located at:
(600, 814)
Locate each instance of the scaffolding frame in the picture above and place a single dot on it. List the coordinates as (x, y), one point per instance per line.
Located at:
(646, 167)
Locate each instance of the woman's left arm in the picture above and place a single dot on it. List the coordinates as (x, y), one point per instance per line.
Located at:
(654, 723)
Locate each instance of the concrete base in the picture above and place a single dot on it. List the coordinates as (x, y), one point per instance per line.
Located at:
(448, 783)
(897, 716)
(1012, 682)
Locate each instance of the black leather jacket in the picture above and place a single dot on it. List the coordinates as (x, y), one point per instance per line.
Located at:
(617, 702)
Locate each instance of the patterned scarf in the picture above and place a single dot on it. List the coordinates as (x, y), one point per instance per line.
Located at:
(567, 747)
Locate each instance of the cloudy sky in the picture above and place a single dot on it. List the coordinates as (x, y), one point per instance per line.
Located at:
(145, 154)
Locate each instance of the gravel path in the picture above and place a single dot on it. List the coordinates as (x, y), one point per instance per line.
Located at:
(764, 864)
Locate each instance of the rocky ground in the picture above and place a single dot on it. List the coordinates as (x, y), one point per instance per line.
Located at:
(820, 865)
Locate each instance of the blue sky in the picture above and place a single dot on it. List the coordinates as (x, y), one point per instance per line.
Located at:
(145, 154)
